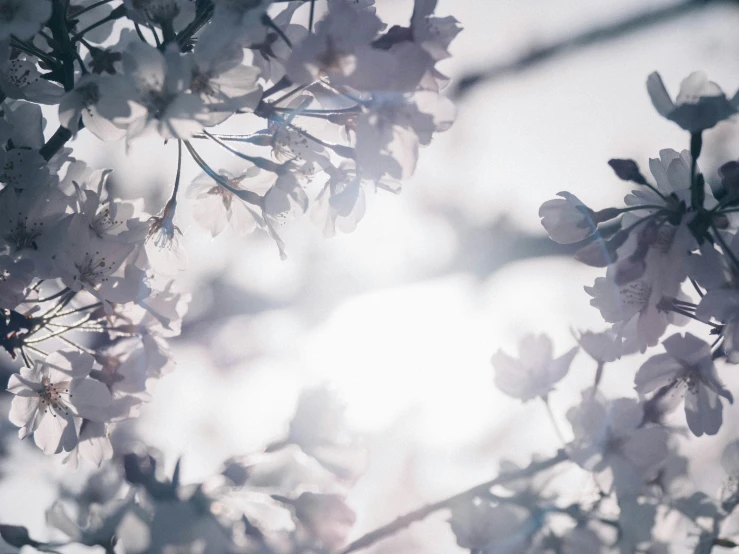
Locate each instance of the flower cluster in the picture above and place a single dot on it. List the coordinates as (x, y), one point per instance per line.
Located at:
(339, 108)
(290, 498)
(670, 256)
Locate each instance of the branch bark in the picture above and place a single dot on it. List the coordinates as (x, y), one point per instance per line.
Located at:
(601, 34)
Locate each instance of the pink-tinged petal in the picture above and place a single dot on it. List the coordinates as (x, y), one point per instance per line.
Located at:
(624, 415)
(94, 443)
(65, 365)
(146, 65)
(48, 435)
(695, 86)
(647, 447)
(559, 367)
(19, 385)
(24, 412)
(658, 371)
(658, 94)
(57, 517)
(510, 377)
(90, 399)
(688, 348)
(703, 412)
(627, 479)
(535, 351)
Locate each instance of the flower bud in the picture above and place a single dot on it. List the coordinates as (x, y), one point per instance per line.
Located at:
(627, 170)
(566, 219)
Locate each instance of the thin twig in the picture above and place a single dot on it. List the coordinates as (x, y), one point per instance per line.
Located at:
(421, 513)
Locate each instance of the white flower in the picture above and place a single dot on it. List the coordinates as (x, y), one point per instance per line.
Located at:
(535, 372)
(633, 307)
(124, 371)
(234, 22)
(610, 442)
(31, 225)
(340, 49)
(215, 207)
(567, 220)
(98, 266)
(23, 18)
(20, 79)
(393, 126)
(161, 81)
(51, 394)
(271, 53)
(284, 201)
(700, 104)
(224, 83)
(341, 203)
(687, 368)
(91, 94)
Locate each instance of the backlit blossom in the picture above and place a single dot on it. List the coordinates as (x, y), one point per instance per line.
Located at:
(51, 395)
(535, 372)
(699, 105)
(610, 441)
(687, 369)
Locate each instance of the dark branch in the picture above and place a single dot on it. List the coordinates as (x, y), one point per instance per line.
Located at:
(421, 513)
(598, 35)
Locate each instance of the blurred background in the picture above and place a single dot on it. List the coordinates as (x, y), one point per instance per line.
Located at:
(401, 317)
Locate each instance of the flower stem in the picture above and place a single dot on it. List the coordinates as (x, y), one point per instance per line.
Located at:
(557, 430)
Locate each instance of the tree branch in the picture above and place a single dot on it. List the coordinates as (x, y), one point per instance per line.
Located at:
(421, 513)
(602, 34)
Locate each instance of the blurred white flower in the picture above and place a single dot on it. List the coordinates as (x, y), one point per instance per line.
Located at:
(610, 442)
(481, 526)
(730, 459)
(606, 346)
(687, 368)
(215, 207)
(535, 372)
(722, 304)
(23, 18)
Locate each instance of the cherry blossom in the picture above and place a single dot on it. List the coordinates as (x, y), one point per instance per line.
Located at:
(51, 395)
(567, 219)
(611, 442)
(535, 372)
(700, 104)
(687, 370)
